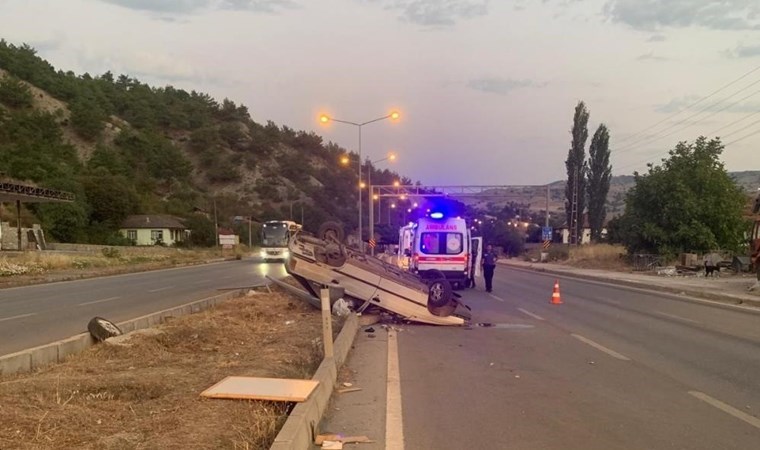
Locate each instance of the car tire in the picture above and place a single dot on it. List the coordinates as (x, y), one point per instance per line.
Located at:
(102, 329)
(331, 231)
(439, 292)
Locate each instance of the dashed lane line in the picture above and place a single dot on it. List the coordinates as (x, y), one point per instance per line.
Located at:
(394, 424)
(497, 298)
(600, 347)
(109, 299)
(528, 313)
(20, 316)
(728, 409)
(673, 316)
(161, 289)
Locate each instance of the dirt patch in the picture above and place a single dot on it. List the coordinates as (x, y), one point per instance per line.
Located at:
(146, 395)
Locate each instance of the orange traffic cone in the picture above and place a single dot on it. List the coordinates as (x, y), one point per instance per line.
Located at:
(556, 300)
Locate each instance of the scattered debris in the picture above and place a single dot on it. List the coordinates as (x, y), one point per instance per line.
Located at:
(347, 390)
(369, 330)
(253, 388)
(341, 308)
(347, 384)
(370, 335)
(332, 445)
(321, 438)
(290, 322)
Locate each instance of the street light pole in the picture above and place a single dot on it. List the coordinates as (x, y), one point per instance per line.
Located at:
(324, 118)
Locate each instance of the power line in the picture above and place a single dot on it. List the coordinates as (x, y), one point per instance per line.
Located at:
(655, 137)
(742, 138)
(733, 123)
(692, 105)
(740, 129)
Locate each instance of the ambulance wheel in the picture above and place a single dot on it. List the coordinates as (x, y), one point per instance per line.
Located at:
(439, 292)
(331, 231)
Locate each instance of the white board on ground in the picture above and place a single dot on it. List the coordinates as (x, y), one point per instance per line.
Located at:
(254, 388)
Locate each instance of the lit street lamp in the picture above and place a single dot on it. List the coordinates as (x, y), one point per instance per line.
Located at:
(325, 119)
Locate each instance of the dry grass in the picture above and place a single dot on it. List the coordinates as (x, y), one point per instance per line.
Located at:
(598, 256)
(147, 396)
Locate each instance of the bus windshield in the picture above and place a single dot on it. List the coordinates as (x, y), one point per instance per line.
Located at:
(275, 234)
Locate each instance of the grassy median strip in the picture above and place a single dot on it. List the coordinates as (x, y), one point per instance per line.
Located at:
(146, 394)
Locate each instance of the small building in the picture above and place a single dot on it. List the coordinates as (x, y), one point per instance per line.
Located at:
(585, 235)
(154, 229)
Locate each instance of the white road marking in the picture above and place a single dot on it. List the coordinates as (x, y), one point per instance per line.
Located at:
(20, 316)
(497, 298)
(600, 347)
(161, 289)
(535, 316)
(728, 409)
(227, 277)
(394, 424)
(99, 301)
(673, 316)
(205, 280)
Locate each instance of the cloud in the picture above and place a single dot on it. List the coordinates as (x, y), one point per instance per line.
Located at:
(436, 13)
(656, 38)
(657, 14)
(744, 51)
(652, 57)
(501, 86)
(189, 6)
(677, 104)
(162, 6)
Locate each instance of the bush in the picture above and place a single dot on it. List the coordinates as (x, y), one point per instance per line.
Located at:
(15, 93)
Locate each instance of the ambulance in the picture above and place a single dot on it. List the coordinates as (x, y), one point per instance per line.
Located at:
(442, 245)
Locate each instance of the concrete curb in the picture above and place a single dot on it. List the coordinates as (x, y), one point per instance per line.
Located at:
(724, 298)
(299, 430)
(36, 357)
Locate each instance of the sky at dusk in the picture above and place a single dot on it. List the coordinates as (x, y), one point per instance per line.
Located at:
(486, 89)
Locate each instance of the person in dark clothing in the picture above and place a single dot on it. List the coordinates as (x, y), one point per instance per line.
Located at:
(489, 264)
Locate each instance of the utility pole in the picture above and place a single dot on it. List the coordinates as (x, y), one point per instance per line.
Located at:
(216, 225)
(574, 211)
(547, 206)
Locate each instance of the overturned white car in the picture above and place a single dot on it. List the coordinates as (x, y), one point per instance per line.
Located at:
(324, 260)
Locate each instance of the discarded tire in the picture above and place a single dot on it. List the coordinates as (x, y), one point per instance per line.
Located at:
(102, 329)
(331, 231)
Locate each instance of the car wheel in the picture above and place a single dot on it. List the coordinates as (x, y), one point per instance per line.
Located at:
(331, 231)
(439, 292)
(102, 329)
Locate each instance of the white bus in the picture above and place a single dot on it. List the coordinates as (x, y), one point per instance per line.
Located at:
(275, 235)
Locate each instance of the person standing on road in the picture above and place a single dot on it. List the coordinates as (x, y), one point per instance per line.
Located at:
(489, 264)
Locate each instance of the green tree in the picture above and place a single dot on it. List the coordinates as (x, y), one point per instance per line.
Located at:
(15, 93)
(599, 175)
(688, 203)
(87, 117)
(202, 232)
(575, 189)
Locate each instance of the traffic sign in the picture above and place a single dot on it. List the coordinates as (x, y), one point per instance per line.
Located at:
(372, 243)
(546, 233)
(547, 243)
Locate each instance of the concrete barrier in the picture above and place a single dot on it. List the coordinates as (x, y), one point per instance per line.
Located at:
(34, 358)
(300, 429)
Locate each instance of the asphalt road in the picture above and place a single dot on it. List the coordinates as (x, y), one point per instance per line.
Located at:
(39, 314)
(611, 368)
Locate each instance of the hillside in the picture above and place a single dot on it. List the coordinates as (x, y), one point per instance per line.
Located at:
(124, 147)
